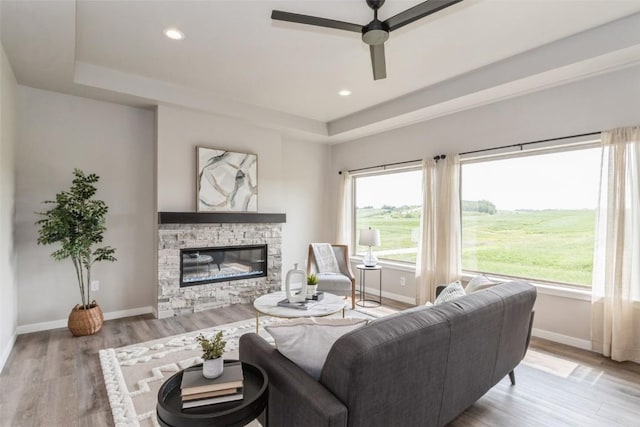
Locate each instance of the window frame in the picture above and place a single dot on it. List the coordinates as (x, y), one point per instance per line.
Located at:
(378, 171)
(548, 147)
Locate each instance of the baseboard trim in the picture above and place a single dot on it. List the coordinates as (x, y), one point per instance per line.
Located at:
(128, 313)
(562, 339)
(62, 323)
(7, 351)
(396, 297)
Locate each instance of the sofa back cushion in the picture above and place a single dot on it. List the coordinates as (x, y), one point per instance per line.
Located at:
(380, 372)
(426, 365)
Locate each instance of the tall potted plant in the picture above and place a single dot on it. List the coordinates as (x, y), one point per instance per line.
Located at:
(77, 222)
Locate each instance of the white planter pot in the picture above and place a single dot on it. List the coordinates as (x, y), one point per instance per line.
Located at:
(311, 290)
(212, 368)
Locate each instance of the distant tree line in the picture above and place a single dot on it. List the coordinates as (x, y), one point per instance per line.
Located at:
(482, 206)
(388, 211)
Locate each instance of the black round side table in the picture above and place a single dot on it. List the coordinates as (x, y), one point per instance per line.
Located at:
(239, 413)
(362, 302)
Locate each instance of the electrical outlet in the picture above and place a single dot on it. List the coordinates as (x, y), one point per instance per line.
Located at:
(95, 286)
(402, 281)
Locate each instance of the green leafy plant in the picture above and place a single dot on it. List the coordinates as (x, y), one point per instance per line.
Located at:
(77, 223)
(312, 280)
(212, 348)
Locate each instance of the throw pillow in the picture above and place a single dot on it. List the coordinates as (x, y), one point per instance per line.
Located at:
(479, 283)
(306, 342)
(452, 291)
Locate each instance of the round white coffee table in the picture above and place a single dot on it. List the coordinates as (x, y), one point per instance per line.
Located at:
(268, 305)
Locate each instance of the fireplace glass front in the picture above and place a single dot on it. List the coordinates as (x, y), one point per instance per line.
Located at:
(222, 264)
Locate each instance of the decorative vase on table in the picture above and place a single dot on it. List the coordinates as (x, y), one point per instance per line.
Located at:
(312, 285)
(311, 290)
(301, 275)
(212, 368)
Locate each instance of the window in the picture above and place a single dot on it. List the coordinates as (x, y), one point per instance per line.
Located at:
(531, 216)
(390, 202)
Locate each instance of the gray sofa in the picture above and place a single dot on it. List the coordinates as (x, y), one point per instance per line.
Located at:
(421, 367)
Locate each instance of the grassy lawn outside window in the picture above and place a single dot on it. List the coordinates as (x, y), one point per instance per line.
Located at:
(390, 202)
(531, 216)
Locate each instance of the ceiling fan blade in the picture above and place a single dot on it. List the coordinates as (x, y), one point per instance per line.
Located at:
(377, 61)
(418, 11)
(314, 20)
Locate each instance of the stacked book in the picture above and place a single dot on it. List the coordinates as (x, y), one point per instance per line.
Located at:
(302, 305)
(196, 390)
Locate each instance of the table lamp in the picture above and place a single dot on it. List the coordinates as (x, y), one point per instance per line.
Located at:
(369, 237)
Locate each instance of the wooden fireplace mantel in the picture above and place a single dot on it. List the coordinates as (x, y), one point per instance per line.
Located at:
(220, 217)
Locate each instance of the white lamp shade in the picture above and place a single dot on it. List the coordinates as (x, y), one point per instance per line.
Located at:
(369, 237)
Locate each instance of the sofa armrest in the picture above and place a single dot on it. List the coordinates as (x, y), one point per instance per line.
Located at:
(295, 398)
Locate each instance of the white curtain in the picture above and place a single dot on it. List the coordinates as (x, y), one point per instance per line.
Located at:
(615, 322)
(345, 210)
(439, 248)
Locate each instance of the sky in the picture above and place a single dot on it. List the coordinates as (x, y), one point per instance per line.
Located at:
(398, 189)
(565, 180)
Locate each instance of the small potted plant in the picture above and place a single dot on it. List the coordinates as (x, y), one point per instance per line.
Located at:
(312, 285)
(212, 350)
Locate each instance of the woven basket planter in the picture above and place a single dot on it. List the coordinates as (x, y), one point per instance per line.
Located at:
(85, 321)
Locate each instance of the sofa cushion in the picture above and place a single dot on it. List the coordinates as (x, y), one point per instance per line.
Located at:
(452, 291)
(479, 283)
(306, 342)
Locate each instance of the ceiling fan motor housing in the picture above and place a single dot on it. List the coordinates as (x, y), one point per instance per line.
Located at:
(375, 33)
(375, 4)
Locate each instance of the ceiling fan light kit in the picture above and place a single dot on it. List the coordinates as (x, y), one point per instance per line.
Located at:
(376, 32)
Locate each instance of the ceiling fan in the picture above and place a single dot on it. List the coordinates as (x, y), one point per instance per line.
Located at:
(376, 32)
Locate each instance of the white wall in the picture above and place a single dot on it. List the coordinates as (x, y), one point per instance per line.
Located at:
(291, 174)
(305, 197)
(8, 138)
(58, 133)
(595, 104)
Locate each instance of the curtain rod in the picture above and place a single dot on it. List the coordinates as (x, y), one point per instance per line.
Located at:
(522, 144)
(436, 158)
(443, 156)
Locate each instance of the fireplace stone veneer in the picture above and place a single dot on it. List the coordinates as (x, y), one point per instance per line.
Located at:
(174, 300)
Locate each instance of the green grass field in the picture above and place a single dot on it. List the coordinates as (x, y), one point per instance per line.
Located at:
(553, 245)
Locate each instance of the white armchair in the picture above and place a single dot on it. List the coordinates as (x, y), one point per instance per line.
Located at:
(342, 283)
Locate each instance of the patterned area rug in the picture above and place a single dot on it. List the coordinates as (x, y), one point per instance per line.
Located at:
(134, 374)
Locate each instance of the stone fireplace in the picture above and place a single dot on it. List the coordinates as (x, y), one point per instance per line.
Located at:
(192, 243)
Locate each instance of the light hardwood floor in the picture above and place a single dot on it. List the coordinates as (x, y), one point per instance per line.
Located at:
(54, 379)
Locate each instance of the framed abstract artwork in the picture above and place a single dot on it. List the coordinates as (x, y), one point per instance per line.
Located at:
(226, 181)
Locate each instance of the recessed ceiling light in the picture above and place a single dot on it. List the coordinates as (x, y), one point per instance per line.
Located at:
(344, 92)
(174, 33)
